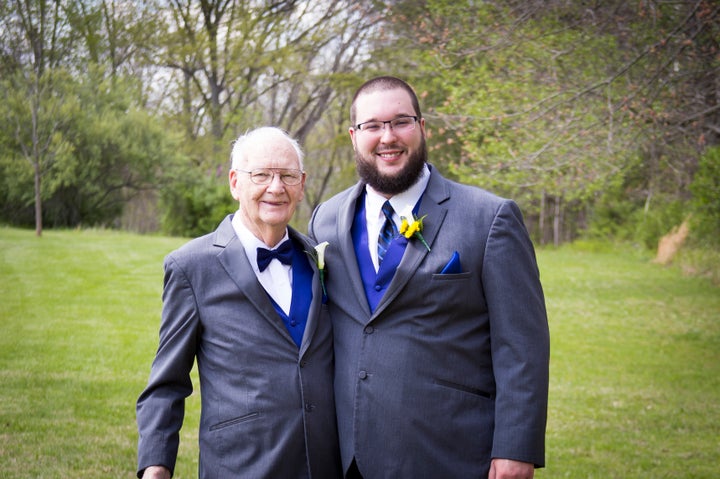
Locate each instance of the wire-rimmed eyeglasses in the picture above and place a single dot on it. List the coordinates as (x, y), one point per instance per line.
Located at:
(264, 176)
(399, 124)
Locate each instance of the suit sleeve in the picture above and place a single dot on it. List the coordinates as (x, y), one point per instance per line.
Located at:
(161, 406)
(519, 338)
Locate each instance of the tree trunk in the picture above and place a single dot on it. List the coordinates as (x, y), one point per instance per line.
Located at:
(36, 155)
(557, 221)
(38, 201)
(541, 219)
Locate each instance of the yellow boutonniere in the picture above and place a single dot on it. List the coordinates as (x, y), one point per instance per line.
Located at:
(413, 228)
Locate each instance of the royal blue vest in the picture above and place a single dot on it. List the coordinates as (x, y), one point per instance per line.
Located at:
(302, 275)
(375, 284)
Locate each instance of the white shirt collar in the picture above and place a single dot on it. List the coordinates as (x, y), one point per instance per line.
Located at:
(251, 242)
(277, 278)
(402, 204)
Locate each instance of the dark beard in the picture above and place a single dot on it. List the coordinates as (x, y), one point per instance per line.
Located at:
(392, 185)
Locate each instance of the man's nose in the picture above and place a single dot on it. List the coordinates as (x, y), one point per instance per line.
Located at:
(388, 134)
(276, 183)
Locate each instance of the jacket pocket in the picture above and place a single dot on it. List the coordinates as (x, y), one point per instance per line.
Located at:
(237, 420)
(450, 277)
(464, 388)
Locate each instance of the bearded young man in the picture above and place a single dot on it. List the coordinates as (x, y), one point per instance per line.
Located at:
(439, 324)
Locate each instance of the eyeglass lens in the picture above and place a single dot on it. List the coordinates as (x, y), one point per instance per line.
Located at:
(403, 123)
(264, 176)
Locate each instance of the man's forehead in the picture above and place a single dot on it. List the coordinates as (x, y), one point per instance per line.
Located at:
(367, 103)
(269, 149)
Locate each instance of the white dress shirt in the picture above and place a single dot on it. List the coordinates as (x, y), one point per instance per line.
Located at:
(402, 204)
(277, 277)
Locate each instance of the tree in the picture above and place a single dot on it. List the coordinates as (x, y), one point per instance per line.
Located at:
(234, 65)
(72, 112)
(706, 198)
(38, 40)
(549, 101)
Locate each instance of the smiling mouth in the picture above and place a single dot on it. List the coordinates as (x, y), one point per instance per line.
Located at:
(275, 203)
(389, 155)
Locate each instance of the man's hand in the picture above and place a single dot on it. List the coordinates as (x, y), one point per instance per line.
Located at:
(156, 472)
(508, 469)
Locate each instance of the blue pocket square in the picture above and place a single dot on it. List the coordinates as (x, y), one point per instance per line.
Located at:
(453, 266)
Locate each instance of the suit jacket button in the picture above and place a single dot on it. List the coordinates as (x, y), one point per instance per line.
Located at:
(309, 407)
(362, 374)
(369, 330)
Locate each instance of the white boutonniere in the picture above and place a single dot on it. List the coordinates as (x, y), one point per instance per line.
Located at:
(318, 256)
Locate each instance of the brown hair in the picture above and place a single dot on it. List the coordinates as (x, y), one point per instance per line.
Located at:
(384, 83)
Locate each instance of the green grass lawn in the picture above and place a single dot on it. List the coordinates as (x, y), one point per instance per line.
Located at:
(635, 369)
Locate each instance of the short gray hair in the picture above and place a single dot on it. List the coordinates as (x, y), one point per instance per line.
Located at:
(263, 133)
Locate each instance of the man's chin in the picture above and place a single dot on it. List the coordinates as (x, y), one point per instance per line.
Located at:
(275, 219)
(388, 171)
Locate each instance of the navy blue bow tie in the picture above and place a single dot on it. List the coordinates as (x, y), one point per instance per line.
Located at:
(284, 253)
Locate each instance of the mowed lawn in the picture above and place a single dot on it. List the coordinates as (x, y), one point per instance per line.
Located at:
(635, 369)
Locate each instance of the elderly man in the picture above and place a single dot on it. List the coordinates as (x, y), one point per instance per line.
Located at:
(246, 302)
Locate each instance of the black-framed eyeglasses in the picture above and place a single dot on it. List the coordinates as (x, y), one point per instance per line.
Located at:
(399, 124)
(264, 176)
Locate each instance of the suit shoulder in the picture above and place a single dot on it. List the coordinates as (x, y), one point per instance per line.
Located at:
(329, 208)
(194, 248)
(208, 243)
(470, 194)
(338, 198)
(469, 201)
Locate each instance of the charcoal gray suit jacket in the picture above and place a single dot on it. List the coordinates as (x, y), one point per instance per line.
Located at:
(450, 370)
(267, 406)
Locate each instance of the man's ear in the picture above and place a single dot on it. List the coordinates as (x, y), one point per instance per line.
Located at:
(232, 180)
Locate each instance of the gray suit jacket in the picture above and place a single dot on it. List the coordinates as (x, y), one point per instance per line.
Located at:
(450, 370)
(267, 407)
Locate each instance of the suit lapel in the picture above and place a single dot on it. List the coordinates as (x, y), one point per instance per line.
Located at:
(316, 303)
(345, 219)
(435, 194)
(233, 259)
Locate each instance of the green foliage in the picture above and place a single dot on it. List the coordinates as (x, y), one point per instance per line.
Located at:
(194, 205)
(634, 207)
(16, 193)
(706, 199)
(700, 260)
(119, 150)
(35, 113)
(584, 112)
(100, 149)
(619, 218)
(635, 359)
(657, 221)
(501, 120)
(610, 219)
(555, 99)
